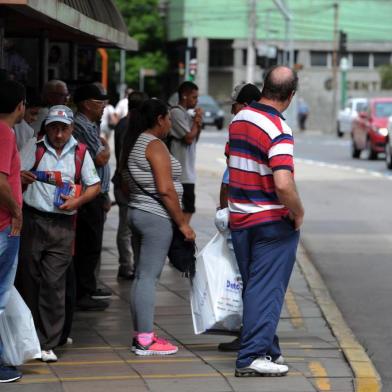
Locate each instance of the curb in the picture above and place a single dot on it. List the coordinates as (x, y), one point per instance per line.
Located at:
(366, 377)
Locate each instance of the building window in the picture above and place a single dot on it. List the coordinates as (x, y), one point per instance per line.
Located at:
(381, 59)
(360, 59)
(318, 59)
(221, 53)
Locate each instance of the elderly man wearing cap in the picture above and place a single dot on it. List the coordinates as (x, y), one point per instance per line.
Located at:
(90, 102)
(48, 227)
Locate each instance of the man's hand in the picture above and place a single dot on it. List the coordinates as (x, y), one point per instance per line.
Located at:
(199, 116)
(297, 219)
(27, 177)
(103, 141)
(70, 204)
(16, 224)
(107, 205)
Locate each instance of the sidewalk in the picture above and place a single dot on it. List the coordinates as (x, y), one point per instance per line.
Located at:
(100, 358)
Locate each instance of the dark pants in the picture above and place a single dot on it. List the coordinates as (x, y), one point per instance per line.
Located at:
(44, 257)
(124, 233)
(70, 302)
(265, 256)
(302, 120)
(89, 234)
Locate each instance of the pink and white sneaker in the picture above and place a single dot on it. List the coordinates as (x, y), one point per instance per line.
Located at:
(157, 346)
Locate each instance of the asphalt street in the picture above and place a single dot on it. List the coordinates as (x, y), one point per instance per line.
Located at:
(347, 231)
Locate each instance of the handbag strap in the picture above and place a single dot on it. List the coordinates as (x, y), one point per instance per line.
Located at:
(145, 191)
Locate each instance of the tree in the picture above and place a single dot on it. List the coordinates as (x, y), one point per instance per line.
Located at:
(386, 77)
(147, 26)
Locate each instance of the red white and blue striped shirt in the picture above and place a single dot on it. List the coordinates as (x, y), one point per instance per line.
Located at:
(260, 142)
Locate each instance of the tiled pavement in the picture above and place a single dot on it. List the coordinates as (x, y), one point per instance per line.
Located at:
(100, 358)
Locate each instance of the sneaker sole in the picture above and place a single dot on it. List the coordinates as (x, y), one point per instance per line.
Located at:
(147, 352)
(48, 360)
(11, 379)
(253, 373)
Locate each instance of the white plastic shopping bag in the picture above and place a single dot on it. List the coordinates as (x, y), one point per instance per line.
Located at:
(217, 288)
(18, 336)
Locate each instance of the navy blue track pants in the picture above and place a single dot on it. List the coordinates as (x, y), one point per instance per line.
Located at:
(265, 256)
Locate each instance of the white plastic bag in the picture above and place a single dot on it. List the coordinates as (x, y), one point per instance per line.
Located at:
(217, 288)
(18, 336)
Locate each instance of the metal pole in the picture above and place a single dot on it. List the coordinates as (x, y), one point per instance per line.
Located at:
(189, 44)
(334, 65)
(289, 51)
(343, 89)
(251, 50)
(122, 73)
(141, 79)
(343, 85)
(290, 37)
(291, 112)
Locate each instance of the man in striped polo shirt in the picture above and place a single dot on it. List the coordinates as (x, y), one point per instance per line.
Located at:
(265, 216)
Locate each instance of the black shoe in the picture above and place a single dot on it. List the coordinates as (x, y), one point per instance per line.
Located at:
(125, 273)
(101, 294)
(88, 303)
(230, 346)
(9, 374)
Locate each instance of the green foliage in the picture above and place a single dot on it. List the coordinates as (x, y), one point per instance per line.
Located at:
(386, 77)
(147, 26)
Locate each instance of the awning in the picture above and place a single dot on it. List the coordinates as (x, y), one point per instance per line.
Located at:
(96, 22)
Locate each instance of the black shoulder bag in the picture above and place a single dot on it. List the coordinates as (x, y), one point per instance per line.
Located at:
(181, 253)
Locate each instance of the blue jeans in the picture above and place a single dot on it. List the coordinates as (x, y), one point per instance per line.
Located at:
(265, 256)
(9, 247)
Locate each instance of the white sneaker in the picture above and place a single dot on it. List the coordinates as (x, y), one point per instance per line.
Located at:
(262, 367)
(280, 360)
(48, 356)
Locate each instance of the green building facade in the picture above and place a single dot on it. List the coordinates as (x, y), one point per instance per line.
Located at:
(219, 31)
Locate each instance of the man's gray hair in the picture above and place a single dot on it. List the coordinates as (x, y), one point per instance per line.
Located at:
(50, 86)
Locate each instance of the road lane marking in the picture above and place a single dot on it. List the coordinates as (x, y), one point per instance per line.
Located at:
(321, 376)
(293, 309)
(354, 169)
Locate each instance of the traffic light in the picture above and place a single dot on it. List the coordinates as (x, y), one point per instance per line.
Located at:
(192, 69)
(181, 68)
(342, 43)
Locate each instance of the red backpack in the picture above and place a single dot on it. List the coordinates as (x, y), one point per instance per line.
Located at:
(80, 152)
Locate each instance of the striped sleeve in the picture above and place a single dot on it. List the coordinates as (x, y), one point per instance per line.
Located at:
(280, 153)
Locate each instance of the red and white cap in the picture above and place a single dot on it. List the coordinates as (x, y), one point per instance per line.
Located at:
(59, 113)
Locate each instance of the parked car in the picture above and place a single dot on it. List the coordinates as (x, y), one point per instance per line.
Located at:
(212, 112)
(369, 130)
(388, 146)
(347, 115)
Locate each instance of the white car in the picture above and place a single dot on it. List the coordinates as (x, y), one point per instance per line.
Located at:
(347, 115)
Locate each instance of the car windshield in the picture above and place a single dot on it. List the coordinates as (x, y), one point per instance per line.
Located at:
(206, 100)
(383, 109)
